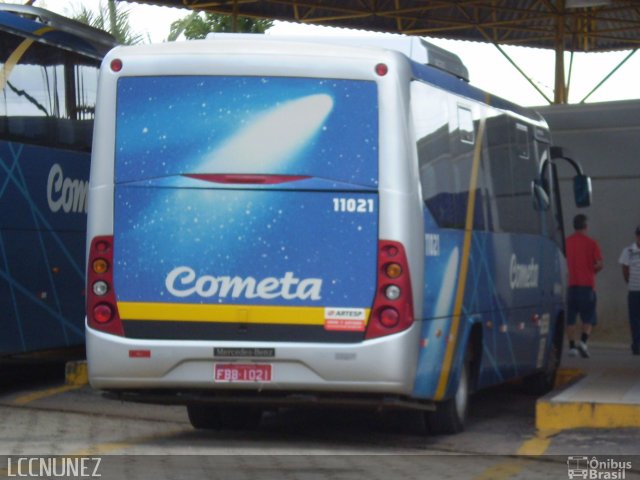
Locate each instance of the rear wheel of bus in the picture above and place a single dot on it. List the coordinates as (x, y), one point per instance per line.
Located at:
(207, 417)
(543, 382)
(450, 415)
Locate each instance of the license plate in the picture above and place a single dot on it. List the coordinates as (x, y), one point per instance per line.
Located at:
(240, 372)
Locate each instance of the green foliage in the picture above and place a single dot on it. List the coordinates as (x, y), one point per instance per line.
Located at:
(112, 18)
(197, 25)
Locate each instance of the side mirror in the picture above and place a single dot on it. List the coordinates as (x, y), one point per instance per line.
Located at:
(539, 196)
(582, 190)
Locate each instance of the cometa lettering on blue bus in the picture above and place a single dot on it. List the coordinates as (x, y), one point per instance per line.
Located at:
(183, 282)
(64, 193)
(523, 275)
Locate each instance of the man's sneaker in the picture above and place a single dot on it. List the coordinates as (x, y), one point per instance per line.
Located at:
(573, 352)
(583, 350)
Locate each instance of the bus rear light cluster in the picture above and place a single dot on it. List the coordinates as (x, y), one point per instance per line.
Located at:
(102, 310)
(102, 313)
(100, 288)
(392, 309)
(389, 317)
(392, 292)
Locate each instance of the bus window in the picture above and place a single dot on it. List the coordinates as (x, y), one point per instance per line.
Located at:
(445, 156)
(522, 140)
(465, 125)
(48, 96)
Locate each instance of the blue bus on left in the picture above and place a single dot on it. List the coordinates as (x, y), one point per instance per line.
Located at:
(48, 79)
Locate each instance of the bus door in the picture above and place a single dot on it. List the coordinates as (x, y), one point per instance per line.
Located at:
(552, 231)
(529, 269)
(541, 316)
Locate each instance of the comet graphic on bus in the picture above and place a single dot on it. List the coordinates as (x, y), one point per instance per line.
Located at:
(271, 138)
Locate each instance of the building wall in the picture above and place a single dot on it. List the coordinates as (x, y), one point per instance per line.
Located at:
(605, 139)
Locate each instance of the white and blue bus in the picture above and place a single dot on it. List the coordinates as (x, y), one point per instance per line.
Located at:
(280, 222)
(48, 78)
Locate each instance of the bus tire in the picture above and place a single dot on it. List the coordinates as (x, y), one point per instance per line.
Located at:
(240, 417)
(544, 381)
(207, 417)
(450, 415)
(204, 417)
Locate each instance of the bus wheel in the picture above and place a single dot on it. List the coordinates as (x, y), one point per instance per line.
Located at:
(450, 415)
(204, 417)
(543, 382)
(240, 417)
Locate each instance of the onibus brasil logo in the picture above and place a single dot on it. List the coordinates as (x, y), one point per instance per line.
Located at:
(595, 468)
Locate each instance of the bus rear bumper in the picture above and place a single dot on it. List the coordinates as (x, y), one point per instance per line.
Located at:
(384, 365)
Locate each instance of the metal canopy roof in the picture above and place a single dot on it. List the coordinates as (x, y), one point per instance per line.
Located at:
(582, 25)
(561, 25)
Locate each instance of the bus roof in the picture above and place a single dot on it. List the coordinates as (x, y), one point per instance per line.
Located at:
(429, 62)
(455, 85)
(48, 27)
(415, 48)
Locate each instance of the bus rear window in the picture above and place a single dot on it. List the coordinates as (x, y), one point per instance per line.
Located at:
(172, 125)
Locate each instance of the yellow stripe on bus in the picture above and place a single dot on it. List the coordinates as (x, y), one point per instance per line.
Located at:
(223, 313)
(464, 267)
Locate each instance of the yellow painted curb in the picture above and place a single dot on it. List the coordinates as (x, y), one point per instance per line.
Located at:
(556, 416)
(76, 373)
(567, 415)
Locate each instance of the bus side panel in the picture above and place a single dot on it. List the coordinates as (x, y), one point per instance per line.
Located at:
(503, 291)
(441, 271)
(485, 252)
(42, 244)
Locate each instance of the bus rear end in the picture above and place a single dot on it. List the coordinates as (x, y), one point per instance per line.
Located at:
(237, 232)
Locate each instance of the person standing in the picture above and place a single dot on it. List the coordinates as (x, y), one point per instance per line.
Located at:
(630, 261)
(584, 260)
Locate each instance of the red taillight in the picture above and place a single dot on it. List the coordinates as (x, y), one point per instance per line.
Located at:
(102, 310)
(392, 309)
(102, 247)
(382, 69)
(102, 313)
(116, 65)
(389, 317)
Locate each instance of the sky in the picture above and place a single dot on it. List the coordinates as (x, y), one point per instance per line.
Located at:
(488, 68)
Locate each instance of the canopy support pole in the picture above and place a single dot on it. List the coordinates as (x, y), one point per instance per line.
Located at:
(560, 91)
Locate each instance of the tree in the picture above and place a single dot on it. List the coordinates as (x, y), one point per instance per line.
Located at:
(197, 25)
(111, 18)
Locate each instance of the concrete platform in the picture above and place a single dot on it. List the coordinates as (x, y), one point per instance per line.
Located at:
(604, 392)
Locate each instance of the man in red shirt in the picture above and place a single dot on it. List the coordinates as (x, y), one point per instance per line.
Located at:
(584, 260)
